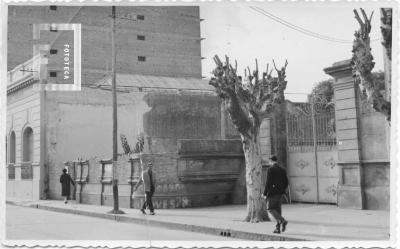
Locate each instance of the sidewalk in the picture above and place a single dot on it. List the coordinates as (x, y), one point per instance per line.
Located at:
(306, 221)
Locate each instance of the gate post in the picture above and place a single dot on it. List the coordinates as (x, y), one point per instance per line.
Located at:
(350, 194)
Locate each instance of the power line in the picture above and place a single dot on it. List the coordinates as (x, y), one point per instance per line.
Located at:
(297, 28)
(300, 29)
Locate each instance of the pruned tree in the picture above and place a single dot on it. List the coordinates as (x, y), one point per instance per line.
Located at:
(139, 143)
(386, 30)
(125, 144)
(248, 101)
(138, 146)
(362, 63)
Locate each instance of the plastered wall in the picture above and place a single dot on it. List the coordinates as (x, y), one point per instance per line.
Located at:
(79, 125)
(23, 110)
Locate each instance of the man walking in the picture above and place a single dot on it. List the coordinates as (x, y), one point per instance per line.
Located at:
(66, 181)
(149, 181)
(275, 187)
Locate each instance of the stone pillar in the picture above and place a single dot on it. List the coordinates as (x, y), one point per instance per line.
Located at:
(350, 194)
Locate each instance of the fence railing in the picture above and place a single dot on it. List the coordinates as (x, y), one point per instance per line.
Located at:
(300, 132)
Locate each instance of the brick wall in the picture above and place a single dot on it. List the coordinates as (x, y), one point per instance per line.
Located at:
(171, 45)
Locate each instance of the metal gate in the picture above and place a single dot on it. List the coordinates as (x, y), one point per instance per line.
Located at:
(312, 155)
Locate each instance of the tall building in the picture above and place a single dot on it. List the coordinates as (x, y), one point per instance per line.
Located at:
(156, 40)
(161, 97)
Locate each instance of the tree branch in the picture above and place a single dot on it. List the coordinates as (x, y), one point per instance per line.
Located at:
(386, 30)
(362, 64)
(245, 100)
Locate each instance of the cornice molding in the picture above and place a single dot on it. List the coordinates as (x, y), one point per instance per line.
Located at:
(13, 88)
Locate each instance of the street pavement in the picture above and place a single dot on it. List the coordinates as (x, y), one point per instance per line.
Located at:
(24, 223)
(306, 221)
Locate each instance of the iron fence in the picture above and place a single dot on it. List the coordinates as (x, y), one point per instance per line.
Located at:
(300, 132)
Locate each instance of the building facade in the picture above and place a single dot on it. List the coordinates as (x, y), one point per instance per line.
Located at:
(179, 119)
(159, 41)
(161, 97)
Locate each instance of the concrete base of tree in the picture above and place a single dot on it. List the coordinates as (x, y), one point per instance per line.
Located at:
(116, 212)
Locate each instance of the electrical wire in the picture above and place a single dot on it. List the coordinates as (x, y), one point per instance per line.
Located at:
(300, 29)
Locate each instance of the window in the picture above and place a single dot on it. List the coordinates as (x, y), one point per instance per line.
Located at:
(141, 58)
(53, 51)
(140, 17)
(53, 7)
(53, 74)
(27, 145)
(12, 147)
(53, 28)
(141, 37)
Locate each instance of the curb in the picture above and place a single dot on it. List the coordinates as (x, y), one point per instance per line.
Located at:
(170, 225)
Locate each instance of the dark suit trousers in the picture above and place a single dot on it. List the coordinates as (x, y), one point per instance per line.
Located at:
(148, 202)
(274, 207)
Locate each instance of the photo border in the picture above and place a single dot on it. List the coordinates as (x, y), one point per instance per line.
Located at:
(394, 156)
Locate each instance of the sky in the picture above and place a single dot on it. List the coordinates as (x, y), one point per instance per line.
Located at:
(236, 30)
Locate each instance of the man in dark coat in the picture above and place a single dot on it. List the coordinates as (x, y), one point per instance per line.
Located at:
(66, 181)
(275, 187)
(148, 179)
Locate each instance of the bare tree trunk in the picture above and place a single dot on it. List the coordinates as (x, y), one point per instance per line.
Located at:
(256, 206)
(247, 107)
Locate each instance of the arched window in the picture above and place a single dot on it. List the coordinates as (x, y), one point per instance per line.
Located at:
(12, 147)
(27, 145)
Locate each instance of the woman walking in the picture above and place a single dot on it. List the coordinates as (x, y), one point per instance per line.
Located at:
(66, 181)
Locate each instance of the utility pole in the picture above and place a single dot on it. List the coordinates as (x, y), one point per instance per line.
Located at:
(114, 116)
